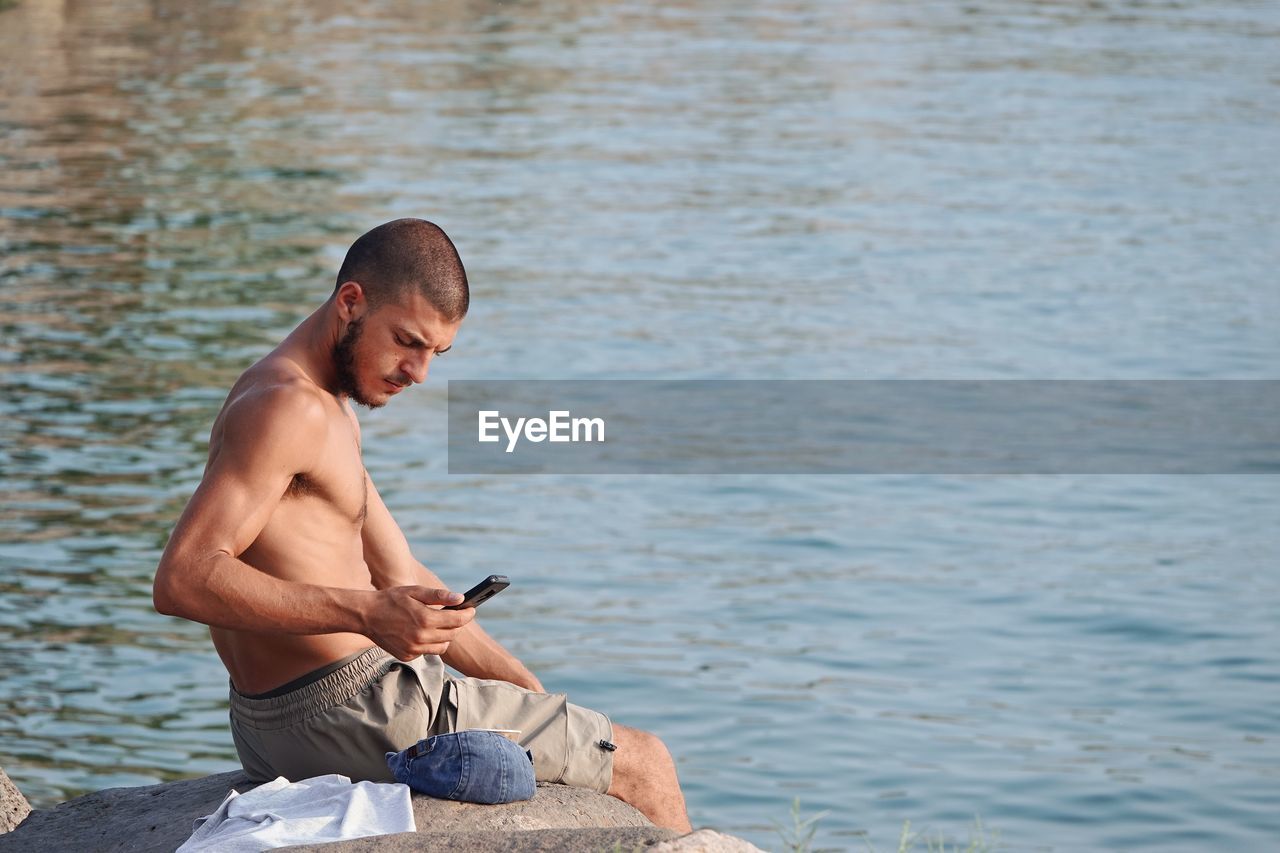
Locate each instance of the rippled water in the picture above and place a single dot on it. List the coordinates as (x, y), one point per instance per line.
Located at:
(797, 189)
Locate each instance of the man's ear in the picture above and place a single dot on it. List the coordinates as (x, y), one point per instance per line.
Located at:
(350, 300)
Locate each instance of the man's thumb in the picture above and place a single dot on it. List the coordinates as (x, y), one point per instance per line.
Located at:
(427, 595)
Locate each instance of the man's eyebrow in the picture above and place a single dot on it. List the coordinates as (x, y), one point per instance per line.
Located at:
(419, 342)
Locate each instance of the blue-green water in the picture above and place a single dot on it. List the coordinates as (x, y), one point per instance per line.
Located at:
(783, 190)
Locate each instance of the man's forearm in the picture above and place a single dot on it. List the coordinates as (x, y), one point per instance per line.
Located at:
(476, 654)
(225, 592)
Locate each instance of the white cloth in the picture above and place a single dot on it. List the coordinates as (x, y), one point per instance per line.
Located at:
(320, 809)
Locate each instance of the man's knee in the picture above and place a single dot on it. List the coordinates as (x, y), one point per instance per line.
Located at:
(645, 776)
(639, 752)
(637, 740)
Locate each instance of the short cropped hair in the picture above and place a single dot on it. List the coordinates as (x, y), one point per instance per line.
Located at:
(407, 254)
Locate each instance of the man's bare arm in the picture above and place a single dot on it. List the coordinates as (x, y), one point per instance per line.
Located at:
(269, 436)
(473, 651)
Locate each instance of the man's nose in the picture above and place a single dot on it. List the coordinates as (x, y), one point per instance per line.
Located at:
(417, 368)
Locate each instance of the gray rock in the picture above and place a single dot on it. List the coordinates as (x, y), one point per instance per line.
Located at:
(705, 841)
(160, 817)
(145, 819)
(619, 838)
(13, 805)
(552, 807)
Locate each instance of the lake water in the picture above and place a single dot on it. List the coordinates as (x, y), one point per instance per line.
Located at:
(802, 189)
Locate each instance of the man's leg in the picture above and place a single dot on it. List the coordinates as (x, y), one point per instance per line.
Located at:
(568, 745)
(645, 776)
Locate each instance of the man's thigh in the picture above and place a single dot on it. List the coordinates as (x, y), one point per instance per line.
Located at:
(570, 744)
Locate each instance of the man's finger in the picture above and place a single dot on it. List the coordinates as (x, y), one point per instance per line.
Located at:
(427, 595)
(451, 619)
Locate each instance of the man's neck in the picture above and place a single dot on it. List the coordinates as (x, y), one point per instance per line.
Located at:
(311, 344)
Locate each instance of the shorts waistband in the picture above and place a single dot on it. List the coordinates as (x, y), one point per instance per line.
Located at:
(279, 712)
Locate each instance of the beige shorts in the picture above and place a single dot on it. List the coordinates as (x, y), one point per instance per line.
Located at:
(345, 721)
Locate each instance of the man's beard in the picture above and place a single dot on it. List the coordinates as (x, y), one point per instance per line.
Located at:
(344, 364)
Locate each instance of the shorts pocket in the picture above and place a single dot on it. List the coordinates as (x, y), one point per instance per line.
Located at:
(541, 718)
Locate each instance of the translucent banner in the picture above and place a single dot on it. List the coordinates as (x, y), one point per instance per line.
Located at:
(864, 427)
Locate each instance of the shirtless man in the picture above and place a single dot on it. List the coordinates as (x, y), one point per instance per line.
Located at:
(332, 633)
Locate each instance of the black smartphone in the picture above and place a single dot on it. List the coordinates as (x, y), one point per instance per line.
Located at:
(482, 592)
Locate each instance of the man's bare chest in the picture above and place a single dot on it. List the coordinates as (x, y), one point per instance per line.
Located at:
(337, 479)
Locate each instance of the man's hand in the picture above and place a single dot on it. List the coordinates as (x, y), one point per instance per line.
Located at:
(407, 621)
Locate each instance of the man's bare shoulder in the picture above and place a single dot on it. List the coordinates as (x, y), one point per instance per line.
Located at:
(274, 401)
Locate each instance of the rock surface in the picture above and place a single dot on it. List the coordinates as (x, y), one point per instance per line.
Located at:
(13, 805)
(705, 841)
(623, 839)
(553, 807)
(159, 818)
(148, 818)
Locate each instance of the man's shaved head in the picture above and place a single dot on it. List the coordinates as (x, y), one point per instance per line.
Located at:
(404, 255)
